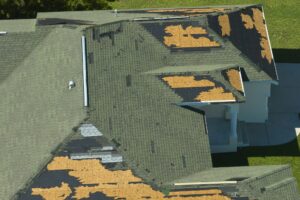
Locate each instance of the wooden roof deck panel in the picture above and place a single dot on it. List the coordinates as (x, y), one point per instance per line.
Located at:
(37, 101)
(221, 85)
(96, 178)
(198, 88)
(248, 32)
(186, 35)
(234, 77)
(138, 111)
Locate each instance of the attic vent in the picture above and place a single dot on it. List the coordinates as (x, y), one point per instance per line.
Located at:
(71, 84)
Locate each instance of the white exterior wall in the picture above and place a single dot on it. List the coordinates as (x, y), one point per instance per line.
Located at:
(255, 109)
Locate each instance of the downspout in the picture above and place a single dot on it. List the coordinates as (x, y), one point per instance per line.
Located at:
(84, 73)
(233, 139)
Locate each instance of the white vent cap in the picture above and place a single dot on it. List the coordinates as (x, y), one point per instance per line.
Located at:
(71, 84)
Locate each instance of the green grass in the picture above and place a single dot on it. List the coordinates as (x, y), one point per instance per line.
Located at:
(272, 155)
(281, 16)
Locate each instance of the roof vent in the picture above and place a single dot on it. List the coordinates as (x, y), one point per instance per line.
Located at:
(3, 32)
(116, 12)
(71, 84)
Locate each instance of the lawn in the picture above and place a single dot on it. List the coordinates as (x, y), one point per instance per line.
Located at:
(272, 155)
(281, 16)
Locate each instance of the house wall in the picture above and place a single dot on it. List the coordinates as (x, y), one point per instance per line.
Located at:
(214, 110)
(255, 109)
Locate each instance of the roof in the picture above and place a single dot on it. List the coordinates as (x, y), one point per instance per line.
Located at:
(149, 137)
(141, 64)
(37, 110)
(98, 181)
(16, 46)
(137, 67)
(18, 25)
(241, 22)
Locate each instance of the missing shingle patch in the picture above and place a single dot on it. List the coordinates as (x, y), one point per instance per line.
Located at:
(93, 34)
(128, 80)
(183, 161)
(136, 45)
(110, 124)
(91, 57)
(152, 146)
(116, 142)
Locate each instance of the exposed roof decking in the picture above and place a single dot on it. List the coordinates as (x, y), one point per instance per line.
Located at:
(194, 86)
(248, 33)
(112, 184)
(37, 109)
(217, 56)
(141, 110)
(129, 105)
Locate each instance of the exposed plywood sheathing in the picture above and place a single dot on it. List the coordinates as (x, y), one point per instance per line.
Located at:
(224, 24)
(178, 29)
(257, 22)
(187, 82)
(215, 94)
(180, 37)
(57, 193)
(235, 79)
(248, 23)
(126, 185)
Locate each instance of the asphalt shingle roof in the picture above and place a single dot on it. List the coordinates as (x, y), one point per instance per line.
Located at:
(160, 141)
(137, 110)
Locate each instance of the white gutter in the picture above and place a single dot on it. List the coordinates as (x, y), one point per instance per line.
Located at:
(85, 95)
(218, 101)
(242, 83)
(206, 183)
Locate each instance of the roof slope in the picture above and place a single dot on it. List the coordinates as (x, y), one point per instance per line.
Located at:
(133, 108)
(15, 47)
(246, 29)
(138, 111)
(37, 111)
(275, 184)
